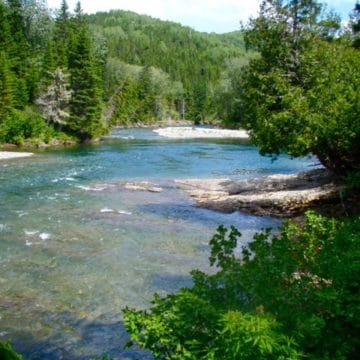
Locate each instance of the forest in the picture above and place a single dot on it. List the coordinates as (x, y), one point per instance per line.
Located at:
(291, 77)
(70, 76)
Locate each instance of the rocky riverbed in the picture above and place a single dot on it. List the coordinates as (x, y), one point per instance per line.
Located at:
(278, 195)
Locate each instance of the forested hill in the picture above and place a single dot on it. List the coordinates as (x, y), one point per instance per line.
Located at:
(65, 73)
(195, 60)
(176, 49)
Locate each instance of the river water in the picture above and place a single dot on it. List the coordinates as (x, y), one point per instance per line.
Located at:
(78, 244)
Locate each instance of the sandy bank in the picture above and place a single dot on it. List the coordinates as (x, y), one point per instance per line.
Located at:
(188, 132)
(12, 155)
(278, 195)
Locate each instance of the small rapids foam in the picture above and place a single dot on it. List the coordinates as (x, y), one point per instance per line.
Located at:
(44, 236)
(107, 210)
(31, 232)
(123, 212)
(90, 188)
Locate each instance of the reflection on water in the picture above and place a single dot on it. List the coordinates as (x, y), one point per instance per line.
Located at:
(77, 245)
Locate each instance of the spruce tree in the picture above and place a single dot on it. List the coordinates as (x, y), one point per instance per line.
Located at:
(85, 104)
(126, 103)
(18, 52)
(6, 87)
(146, 94)
(62, 35)
(5, 34)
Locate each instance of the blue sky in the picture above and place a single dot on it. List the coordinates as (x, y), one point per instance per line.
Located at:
(203, 15)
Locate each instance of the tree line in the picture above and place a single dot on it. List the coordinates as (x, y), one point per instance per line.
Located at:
(69, 75)
(50, 75)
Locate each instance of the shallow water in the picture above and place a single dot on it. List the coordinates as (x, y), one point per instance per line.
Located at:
(77, 245)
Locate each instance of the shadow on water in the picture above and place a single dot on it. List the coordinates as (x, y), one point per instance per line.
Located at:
(170, 282)
(207, 217)
(92, 340)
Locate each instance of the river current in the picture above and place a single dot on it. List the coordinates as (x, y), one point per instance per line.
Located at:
(78, 242)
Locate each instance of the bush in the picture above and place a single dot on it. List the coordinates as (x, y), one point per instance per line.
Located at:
(21, 125)
(291, 295)
(7, 353)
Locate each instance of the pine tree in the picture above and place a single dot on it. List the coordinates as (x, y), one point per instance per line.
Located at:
(126, 103)
(5, 34)
(85, 104)
(355, 25)
(147, 96)
(18, 52)
(62, 35)
(6, 87)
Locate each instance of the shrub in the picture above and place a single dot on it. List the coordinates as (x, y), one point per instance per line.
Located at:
(7, 352)
(291, 295)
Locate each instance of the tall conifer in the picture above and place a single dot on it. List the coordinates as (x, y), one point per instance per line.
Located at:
(85, 103)
(62, 35)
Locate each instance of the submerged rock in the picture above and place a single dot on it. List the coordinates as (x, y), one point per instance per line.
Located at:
(279, 195)
(143, 186)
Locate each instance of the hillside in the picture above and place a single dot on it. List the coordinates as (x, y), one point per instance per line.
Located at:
(195, 60)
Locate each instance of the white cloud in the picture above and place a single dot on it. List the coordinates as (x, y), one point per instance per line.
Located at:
(203, 15)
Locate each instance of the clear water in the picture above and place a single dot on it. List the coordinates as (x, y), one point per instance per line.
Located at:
(77, 246)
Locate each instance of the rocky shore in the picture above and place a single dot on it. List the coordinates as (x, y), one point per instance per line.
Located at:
(277, 195)
(189, 132)
(4, 155)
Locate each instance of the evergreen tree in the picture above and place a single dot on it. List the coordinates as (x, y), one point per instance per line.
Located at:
(85, 104)
(146, 94)
(62, 35)
(6, 87)
(18, 52)
(5, 34)
(355, 25)
(126, 103)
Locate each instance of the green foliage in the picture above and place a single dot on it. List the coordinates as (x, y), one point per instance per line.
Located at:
(301, 95)
(85, 103)
(21, 125)
(193, 59)
(6, 87)
(146, 94)
(289, 296)
(353, 182)
(7, 352)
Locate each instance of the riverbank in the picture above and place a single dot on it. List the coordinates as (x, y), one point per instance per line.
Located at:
(6, 155)
(275, 195)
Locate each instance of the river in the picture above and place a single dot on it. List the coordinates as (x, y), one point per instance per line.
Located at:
(78, 243)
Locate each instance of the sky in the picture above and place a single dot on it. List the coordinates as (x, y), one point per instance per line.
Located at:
(203, 15)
